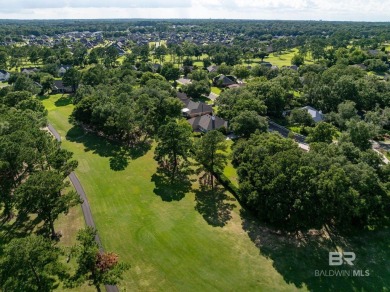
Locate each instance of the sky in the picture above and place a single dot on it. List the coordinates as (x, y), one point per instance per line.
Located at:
(344, 10)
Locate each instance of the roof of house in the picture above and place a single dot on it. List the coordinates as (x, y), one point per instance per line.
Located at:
(29, 69)
(235, 85)
(207, 122)
(3, 72)
(198, 107)
(315, 114)
(59, 85)
(183, 98)
(212, 68)
(66, 67)
(184, 81)
(293, 67)
(224, 80)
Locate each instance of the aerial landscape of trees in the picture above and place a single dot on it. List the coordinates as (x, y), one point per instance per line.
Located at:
(325, 85)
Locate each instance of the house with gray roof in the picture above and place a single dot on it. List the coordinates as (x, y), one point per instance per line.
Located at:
(62, 70)
(224, 81)
(4, 75)
(207, 123)
(193, 108)
(317, 116)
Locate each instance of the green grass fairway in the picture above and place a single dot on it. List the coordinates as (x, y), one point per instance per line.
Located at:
(195, 241)
(169, 244)
(283, 59)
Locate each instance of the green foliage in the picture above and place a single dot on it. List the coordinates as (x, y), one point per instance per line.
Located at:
(197, 88)
(376, 65)
(150, 76)
(210, 153)
(294, 189)
(31, 264)
(301, 117)
(24, 83)
(199, 75)
(94, 267)
(322, 132)
(360, 133)
(127, 114)
(232, 102)
(241, 71)
(247, 123)
(174, 144)
(273, 95)
(72, 78)
(42, 195)
(297, 60)
(170, 72)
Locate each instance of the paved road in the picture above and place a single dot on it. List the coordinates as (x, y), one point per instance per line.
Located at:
(300, 139)
(85, 206)
(384, 158)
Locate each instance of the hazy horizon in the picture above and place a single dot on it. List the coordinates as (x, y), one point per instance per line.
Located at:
(327, 10)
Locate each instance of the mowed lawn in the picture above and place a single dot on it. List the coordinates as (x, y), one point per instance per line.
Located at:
(283, 59)
(170, 244)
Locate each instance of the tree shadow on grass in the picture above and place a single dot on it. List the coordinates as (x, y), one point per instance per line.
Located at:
(64, 100)
(119, 155)
(43, 97)
(299, 257)
(22, 226)
(214, 205)
(171, 191)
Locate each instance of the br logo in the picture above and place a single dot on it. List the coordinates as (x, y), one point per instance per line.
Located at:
(339, 258)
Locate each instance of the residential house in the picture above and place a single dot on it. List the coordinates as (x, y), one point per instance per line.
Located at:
(62, 70)
(4, 75)
(224, 81)
(29, 70)
(156, 67)
(59, 87)
(360, 66)
(317, 116)
(212, 68)
(192, 109)
(207, 123)
(293, 67)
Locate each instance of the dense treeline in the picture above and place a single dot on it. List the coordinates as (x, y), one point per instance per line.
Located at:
(339, 31)
(337, 185)
(126, 113)
(33, 194)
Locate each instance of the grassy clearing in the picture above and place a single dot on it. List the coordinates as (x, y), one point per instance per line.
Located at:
(230, 172)
(216, 90)
(188, 243)
(283, 59)
(190, 240)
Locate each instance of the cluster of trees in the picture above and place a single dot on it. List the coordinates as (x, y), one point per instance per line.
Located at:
(34, 192)
(333, 184)
(325, 88)
(34, 263)
(124, 112)
(176, 146)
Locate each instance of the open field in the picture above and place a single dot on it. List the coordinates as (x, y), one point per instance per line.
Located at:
(173, 241)
(283, 59)
(190, 240)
